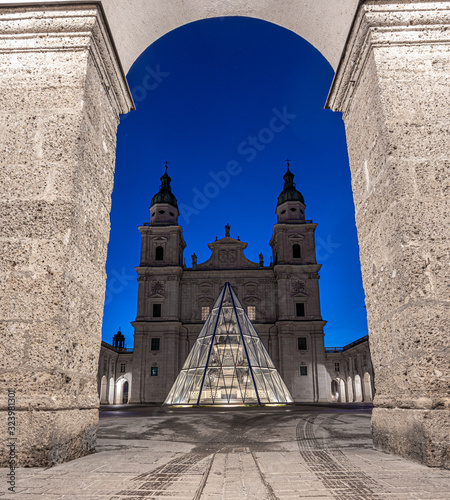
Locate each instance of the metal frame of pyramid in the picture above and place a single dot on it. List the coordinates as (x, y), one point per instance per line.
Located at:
(228, 364)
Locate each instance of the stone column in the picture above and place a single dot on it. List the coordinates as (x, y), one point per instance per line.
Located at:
(393, 88)
(62, 90)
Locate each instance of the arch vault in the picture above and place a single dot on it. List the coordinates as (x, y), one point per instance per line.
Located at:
(62, 89)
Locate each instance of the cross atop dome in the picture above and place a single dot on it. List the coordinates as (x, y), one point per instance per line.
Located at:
(165, 194)
(289, 193)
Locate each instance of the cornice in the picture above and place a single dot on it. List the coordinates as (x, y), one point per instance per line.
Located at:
(58, 28)
(386, 23)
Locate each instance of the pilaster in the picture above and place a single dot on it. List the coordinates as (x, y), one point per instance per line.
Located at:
(61, 92)
(393, 88)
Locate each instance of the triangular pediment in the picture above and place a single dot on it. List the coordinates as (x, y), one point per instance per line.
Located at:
(228, 363)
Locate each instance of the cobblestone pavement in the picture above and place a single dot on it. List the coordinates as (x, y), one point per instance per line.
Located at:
(302, 451)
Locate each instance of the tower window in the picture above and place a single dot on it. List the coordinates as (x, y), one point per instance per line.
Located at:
(303, 371)
(301, 343)
(336, 367)
(122, 367)
(283, 212)
(296, 252)
(205, 313)
(251, 312)
(156, 310)
(172, 214)
(159, 253)
(293, 209)
(162, 212)
(300, 308)
(154, 372)
(155, 344)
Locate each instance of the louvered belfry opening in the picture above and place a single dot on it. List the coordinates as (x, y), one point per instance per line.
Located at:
(228, 364)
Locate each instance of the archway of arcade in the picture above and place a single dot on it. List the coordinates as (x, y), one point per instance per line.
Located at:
(61, 99)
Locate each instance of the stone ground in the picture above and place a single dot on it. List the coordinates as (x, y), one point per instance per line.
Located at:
(302, 451)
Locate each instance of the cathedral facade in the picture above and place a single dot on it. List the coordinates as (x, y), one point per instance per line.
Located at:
(281, 299)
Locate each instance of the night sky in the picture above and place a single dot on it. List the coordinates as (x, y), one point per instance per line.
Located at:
(225, 101)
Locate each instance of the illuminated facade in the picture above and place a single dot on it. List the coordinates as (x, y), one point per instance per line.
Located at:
(175, 303)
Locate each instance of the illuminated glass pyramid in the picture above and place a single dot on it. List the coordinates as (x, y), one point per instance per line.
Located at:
(228, 363)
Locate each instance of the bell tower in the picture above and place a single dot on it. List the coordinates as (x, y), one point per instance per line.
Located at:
(162, 239)
(157, 325)
(300, 324)
(293, 236)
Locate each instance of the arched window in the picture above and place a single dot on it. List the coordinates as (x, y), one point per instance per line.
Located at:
(159, 253)
(296, 253)
(125, 393)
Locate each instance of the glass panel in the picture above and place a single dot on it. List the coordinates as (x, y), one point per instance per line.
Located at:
(228, 364)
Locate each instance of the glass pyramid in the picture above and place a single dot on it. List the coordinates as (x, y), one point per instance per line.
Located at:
(228, 364)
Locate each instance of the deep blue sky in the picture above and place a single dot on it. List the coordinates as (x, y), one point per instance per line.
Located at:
(202, 92)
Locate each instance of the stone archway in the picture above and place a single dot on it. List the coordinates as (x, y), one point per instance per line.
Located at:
(350, 394)
(122, 387)
(61, 98)
(358, 389)
(104, 390)
(367, 387)
(342, 392)
(111, 391)
(334, 390)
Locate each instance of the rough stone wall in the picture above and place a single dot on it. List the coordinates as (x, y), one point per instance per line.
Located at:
(393, 87)
(57, 144)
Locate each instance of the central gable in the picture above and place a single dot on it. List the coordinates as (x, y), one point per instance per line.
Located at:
(228, 253)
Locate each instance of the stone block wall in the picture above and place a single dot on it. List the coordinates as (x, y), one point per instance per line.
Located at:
(393, 87)
(61, 93)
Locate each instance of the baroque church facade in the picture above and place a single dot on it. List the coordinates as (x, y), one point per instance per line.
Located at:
(281, 299)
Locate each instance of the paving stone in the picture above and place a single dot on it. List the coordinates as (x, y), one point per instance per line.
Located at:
(318, 467)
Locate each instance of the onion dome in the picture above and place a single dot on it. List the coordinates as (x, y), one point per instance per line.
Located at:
(164, 195)
(289, 192)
